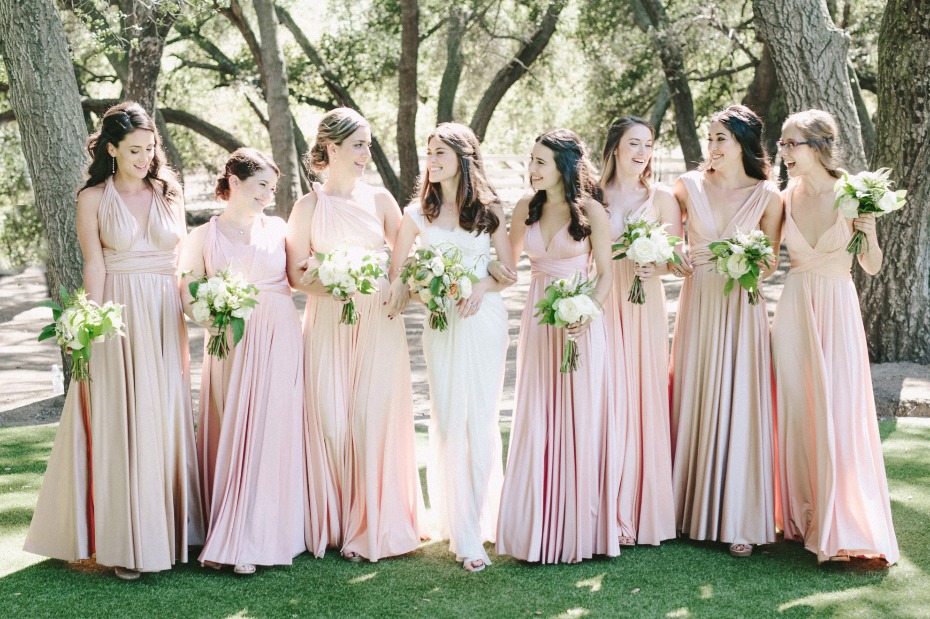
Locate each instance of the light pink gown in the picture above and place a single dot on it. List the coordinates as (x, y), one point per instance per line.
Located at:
(834, 495)
(640, 351)
(145, 508)
(559, 502)
(249, 437)
(722, 410)
(364, 486)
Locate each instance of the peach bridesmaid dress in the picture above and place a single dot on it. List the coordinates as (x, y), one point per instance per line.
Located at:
(640, 351)
(722, 411)
(834, 495)
(364, 485)
(128, 489)
(249, 437)
(559, 502)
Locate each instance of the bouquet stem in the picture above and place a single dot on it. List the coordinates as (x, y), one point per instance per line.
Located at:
(80, 370)
(754, 296)
(637, 295)
(438, 321)
(858, 243)
(349, 315)
(571, 358)
(218, 346)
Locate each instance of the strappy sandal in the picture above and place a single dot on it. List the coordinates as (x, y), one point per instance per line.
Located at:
(470, 566)
(626, 540)
(740, 551)
(354, 557)
(211, 564)
(246, 569)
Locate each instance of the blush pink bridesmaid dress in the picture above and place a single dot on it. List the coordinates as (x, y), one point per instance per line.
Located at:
(365, 494)
(559, 502)
(250, 438)
(834, 494)
(722, 411)
(640, 351)
(128, 489)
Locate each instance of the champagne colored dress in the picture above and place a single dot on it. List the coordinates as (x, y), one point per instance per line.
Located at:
(249, 438)
(640, 348)
(559, 503)
(365, 494)
(465, 366)
(834, 495)
(722, 410)
(122, 477)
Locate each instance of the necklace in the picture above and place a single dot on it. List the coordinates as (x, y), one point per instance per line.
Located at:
(237, 229)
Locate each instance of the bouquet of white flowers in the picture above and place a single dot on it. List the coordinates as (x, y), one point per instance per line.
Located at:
(227, 300)
(440, 278)
(77, 323)
(348, 270)
(645, 242)
(567, 302)
(741, 259)
(866, 193)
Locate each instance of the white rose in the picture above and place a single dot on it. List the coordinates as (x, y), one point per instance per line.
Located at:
(737, 266)
(887, 202)
(643, 251)
(242, 312)
(437, 266)
(588, 307)
(465, 287)
(663, 248)
(200, 310)
(567, 310)
(848, 205)
(425, 295)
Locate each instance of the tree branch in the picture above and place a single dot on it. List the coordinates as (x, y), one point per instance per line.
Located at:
(723, 72)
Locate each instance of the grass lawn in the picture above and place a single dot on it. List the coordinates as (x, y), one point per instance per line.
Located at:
(677, 579)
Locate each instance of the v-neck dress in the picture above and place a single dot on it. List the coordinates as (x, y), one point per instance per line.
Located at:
(122, 477)
(640, 353)
(722, 411)
(249, 438)
(834, 494)
(559, 502)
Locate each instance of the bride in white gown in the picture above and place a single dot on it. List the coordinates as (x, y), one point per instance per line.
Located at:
(465, 363)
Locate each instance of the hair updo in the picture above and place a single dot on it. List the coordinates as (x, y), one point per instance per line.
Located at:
(243, 163)
(116, 123)
(746, 127)
(820, 133)
(335, 127)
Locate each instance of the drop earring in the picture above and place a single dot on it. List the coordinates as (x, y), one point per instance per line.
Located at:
(113, 164)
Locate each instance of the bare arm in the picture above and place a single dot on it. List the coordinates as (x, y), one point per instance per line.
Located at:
(601, 249)
(871, 259)
(666, 205)
(192, 268)
(399, 293)
(680, 193)
(95, 270)
(298, 247)
(504, 250)
(518, 228)
(390, 216)
(771, 226)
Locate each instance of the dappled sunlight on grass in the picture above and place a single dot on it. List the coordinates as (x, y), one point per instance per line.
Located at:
(594, 583)
(573, 613)
(359, 579)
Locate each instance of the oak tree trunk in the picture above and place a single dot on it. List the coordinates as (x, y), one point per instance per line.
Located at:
(407, 98)
(896, 302)
(44, 96)
(280, 121)
(455, 61)
(812, 69)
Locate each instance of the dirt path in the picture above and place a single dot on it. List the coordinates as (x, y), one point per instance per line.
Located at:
(26, 395)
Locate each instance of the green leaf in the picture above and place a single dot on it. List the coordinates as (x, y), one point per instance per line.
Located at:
(238, 328)
(749, 281)
(193, 287)
(47, 332)
(51, 305)
(728, 287)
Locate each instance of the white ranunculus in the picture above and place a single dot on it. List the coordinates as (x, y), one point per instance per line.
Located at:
(849, 206)
(201, 310)
(737, 266)
(425, 295)
(643, 251)
(437, 266)
(887, 202)
(567, 309)
(664, 249)
(465, 287)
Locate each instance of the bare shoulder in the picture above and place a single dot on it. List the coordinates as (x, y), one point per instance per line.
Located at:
(88, 200)
(522, 208)
(595, 211)
(198, 235)
(663, 195)
(304, 205)
(383, 199)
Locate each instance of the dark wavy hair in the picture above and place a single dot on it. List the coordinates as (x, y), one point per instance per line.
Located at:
(609, 158)
(118, 122)
(474, 195)
(243, 163)
(747, 128)
(578, 176)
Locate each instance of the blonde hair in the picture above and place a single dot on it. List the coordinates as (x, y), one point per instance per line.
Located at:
(334, 128)
(819, 130)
